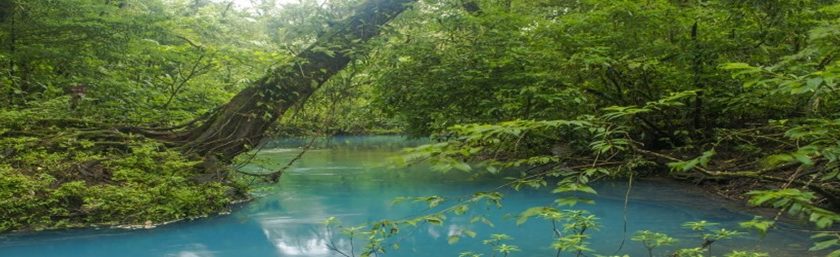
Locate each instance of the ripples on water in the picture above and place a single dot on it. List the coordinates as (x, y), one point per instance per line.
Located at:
(345, 178)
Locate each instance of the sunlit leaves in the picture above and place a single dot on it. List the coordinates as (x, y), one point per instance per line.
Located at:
(795, 202)
(741, 70)
(482, 219)
(434, 219)
(572, 243)
(574, 187)
(721, 234)
(701, 161)
(469, 254)
(615, 112)
(546, 213)
(453, 239)
(460, 209)
(759, 224)
(433, 201)
(506, 249)
(746, 254)
(494, 198)
(652, 240)
(518, 183)
(826, 240)
(691, 252)
(701, 225)
(496, 239)
(331, 221)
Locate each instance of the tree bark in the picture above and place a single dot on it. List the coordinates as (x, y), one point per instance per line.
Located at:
(241, 123)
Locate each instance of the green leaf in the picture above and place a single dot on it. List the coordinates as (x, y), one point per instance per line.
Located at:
(453, 239)
(759, 224)
(462, 166)
(822, 245)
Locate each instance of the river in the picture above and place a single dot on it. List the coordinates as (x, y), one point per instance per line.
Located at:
(348, 178)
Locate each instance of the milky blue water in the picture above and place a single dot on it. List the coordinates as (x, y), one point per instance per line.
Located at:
(347, 179)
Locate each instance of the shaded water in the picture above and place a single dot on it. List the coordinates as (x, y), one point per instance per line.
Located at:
(347, 180)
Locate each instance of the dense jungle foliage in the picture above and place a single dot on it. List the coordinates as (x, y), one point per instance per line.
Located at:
(738, 96)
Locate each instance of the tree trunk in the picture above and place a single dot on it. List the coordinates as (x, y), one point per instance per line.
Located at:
(241, 123)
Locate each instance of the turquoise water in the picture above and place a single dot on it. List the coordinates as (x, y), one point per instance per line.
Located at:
(346, 179)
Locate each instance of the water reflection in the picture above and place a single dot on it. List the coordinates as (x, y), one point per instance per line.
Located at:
(298, 245)
(293, 237)
(195, 250)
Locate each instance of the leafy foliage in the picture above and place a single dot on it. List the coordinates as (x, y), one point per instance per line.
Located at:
(550, 94)
(149, 186)
(652, 240)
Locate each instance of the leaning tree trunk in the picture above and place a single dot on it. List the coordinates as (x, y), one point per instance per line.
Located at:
(241, 123)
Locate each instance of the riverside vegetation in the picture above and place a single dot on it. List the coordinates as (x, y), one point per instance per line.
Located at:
(127, 111)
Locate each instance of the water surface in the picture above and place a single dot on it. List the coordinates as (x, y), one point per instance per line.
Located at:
(346, 178)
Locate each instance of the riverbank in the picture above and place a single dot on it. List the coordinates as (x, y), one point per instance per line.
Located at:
(150, 187)
(349, 182)
(46, 186)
